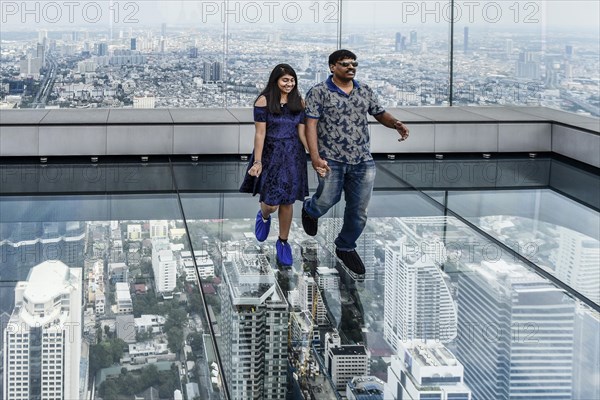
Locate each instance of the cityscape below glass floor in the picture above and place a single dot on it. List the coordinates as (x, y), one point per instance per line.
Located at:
(122, 279)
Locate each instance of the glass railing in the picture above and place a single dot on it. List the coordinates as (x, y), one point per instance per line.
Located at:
(120, 279)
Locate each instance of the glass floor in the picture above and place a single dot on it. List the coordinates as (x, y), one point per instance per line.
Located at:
(125, 278)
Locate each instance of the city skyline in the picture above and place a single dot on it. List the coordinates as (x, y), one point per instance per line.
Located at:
(88, 69)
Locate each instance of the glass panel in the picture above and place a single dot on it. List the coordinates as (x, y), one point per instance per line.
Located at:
(547, 228)
(527, 53)
(402, 48)
(570, 62)
(97, 292)
(261, 35)
(470, 173)
(437, 292)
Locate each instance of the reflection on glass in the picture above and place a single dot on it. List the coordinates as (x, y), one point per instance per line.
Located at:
(509, 316)
(108, 306)
(440, 304)
(565, 243)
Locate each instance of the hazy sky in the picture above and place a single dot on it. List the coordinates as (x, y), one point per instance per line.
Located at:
(96, 13)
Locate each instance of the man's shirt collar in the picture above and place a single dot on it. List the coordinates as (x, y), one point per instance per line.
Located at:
(334, 88)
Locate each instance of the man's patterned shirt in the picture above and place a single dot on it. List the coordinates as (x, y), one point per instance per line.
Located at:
(342, 130)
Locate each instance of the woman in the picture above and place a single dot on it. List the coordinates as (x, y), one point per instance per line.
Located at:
(277, 167)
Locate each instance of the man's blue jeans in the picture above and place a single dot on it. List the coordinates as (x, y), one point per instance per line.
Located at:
(356, 181)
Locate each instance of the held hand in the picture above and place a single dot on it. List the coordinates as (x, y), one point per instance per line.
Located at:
(255, 170)
(321, 167)
(402, 130)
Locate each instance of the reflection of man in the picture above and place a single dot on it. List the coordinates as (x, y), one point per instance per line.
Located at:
(337, 132)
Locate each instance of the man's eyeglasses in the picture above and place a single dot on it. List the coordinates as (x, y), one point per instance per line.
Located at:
(346, 64)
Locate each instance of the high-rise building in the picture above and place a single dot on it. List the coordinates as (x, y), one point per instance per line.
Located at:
(216, 73)
(413, 38)
(516, 336)
(212, 72)
(425, 370)
(586, 352)
(576, 259)
(133, 44)
(159, 229)
(42, 36)
(508, 48)
(417, 303)
(123, 299)
(30, 66)
(308, 294)
(466, 40)
(41, 53)
(163, 30)
(102, 49)
(255, 318)
(164, 266)
(42, 341)
(193, 52)
(344, 362)
(569, 51)
(527, 67)
(400, 44)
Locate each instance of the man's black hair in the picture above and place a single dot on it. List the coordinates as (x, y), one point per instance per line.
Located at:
(341, 55)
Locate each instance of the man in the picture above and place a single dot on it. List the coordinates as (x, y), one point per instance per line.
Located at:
(337, 133)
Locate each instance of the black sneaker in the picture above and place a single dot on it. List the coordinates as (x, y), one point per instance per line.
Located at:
(351, 260)
(310, 224)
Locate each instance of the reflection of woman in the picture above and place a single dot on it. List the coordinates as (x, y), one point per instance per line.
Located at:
(278, 163)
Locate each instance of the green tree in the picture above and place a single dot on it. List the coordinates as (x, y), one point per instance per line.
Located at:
(175, 339)
(109, 389)
(196, 342)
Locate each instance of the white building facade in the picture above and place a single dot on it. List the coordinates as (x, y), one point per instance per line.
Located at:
(42, 341)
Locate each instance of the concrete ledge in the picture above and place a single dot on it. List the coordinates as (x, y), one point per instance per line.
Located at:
(574, 143)
(230, 131)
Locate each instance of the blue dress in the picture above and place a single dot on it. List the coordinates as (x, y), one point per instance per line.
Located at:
(283, 179)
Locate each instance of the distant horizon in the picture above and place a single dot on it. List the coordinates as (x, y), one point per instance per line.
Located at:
(260, 14)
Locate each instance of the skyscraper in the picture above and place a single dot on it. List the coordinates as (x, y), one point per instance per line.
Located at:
(212, 72)
(42, 341)
(400, 45)
(308, 294)
(413, 38)
(164, 267)
(255, 326)
(527, 67)
(576, 260)
(417, 301)
(508, 48)
(516, 333)
(216, 71)
(41, 53)
(586, 371)
(425, 370)
(133, 44)
(102, 49)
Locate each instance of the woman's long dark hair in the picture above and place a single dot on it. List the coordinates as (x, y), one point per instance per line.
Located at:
(273, 94)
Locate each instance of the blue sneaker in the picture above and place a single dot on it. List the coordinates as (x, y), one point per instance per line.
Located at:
(262, 228)
(284, 253)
